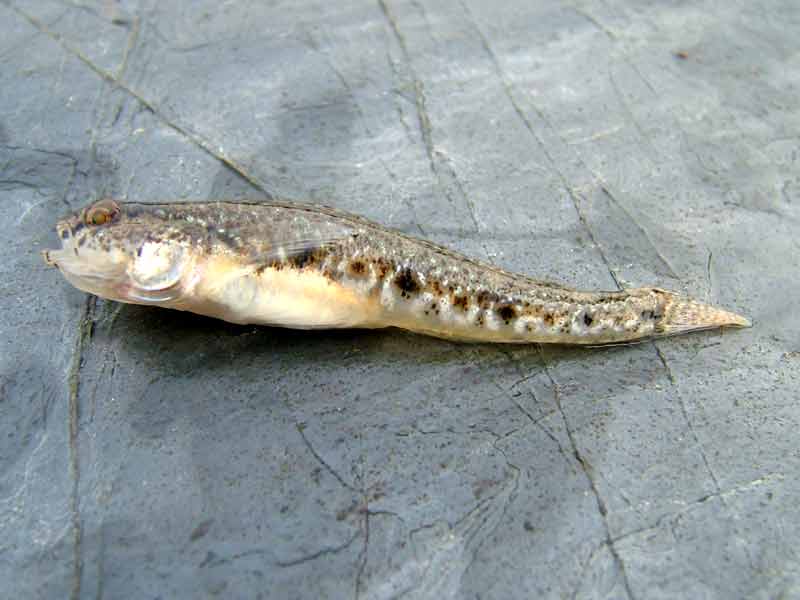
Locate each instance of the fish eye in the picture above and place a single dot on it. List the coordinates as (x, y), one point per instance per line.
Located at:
(101, 213)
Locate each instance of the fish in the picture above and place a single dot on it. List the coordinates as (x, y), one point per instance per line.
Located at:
(307, 266)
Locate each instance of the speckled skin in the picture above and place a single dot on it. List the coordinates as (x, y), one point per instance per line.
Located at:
(310, 266)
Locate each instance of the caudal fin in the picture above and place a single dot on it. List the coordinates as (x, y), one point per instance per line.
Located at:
(684, 314)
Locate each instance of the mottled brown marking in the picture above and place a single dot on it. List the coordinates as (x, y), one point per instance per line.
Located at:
(507, 312)
(485, 297)
(303, 259)
(407, 282)
(357, 268)
(383, 267)
(461, 302)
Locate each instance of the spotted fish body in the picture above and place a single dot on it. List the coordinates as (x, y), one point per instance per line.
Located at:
(304, 266)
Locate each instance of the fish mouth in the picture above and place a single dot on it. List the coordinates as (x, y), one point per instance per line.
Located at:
(49, 260)
(65, 234)
(86, 269)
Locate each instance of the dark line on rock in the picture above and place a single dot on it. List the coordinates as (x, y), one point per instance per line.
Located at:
(435, 159)
(589, 17)
(586, 467)
(626, 108)
(73, 382)
(321, 461)
(133, 38)
(640, 227)
(590, 233)
(529, 126)
(708, 274)
(689, 424)
(663, 360)
(319, 553)
(202, 144)
(363, 554)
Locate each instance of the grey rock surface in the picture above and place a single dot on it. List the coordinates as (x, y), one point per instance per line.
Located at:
(146, 453)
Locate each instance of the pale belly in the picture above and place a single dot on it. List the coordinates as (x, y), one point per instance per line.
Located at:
(300, 299)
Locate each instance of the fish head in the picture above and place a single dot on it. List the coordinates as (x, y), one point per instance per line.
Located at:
(121, 252)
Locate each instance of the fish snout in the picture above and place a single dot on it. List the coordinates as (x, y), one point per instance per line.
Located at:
(65, 233)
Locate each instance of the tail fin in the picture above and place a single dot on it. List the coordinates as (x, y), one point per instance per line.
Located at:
(684, 314)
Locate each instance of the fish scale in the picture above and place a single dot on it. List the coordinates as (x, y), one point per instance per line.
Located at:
(307, 266)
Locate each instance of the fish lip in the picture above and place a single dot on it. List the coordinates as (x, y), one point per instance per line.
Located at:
(49, 259)
(61, 228)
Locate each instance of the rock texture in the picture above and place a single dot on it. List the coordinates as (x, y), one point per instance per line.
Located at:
(149, 454)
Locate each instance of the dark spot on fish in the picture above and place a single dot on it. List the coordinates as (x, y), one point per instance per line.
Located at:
(461, 302)
(64, 234)
(78, 226)
(407, 282)
(587, 319)
(81, 241)
(486, 297)
(383, 267)
(303, 258)
(548, 319)
(507, 312)
(357, 268)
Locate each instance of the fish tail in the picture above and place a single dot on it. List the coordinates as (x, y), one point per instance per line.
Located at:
(683, 314)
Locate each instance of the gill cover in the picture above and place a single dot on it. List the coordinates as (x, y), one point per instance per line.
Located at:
(156, 271)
